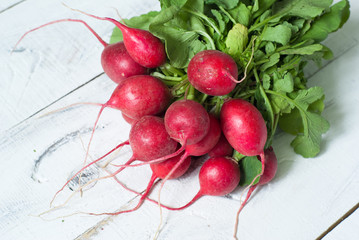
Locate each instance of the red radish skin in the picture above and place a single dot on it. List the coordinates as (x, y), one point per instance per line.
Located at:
(271, 166)
(208, 142)
(136, 101)
(270, 170)
(145, 48)
(118, 64)
(115, 60)
(222, 148)
(163, 168)
(187, 122)
(244, 127)
(217, 177)
(213, 72)
(150, 140)
(198, 149)
(129, 120)
(246, 131)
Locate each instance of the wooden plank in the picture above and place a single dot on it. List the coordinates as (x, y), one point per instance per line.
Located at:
(305, 198)
(40, 155)
(53, 61)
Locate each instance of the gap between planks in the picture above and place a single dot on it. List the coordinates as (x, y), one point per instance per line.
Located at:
(11, 6)
(340, 220)
(50, 104)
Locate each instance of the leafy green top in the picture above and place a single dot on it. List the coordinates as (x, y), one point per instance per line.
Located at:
(273, 39)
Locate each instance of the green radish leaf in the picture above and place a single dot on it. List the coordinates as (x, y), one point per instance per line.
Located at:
(292, 27)
(328, 22)
(250, 167)
(309, 96)
(270, 48)
(236, 41)
(317, 106)
(306, 9)
(280, 34)
(241, 14)
(308, 144)
(280, 104)
(266, 81)
(264, 5)
(237, 156)
(309, 132)
(285, 84)
(307, 50)
(273, 60)
(168, 3)
(181, 44)
(222, 20)
(227, 4)
(265, 107)
(292, 123)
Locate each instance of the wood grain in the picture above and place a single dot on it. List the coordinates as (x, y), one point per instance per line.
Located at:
(59, 65)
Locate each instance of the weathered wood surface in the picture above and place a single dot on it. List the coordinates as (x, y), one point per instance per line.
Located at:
(59, 65)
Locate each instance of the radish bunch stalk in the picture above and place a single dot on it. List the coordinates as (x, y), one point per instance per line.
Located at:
(214, 79)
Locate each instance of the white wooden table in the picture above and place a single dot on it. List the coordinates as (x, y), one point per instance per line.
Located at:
(60, 65)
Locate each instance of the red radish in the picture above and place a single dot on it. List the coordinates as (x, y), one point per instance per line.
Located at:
(187, 121)
(213, 72)
(217, 177)
(118, 64)
(197, 149)
(180, 112)
(150, 140)
(184, 129)
(244, 127)
(139, 96)
(115, 60)
(200, 148)
(136, 101)
(271, 166)
(208, 142)
(222, 148)
(270, 170)
(159, 170)
(146, 49)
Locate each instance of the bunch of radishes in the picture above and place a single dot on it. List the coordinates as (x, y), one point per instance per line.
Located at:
(166, 132)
